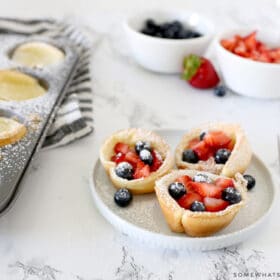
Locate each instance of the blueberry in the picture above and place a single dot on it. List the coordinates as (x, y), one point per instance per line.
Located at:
(251, 181)
(146, 156)
(197, 206)
(222, 155)
(124, 170)
(150, 23)
(202, 135)
(202, 178)
(220, 91)
(140, 145)
(190, 156)
(149, 31)
(231, 195)
(177, 190)
(123, 197)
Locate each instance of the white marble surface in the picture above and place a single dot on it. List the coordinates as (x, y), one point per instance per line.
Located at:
(54, 231)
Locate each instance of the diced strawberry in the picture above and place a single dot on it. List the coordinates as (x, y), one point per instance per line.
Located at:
(187, 199)
(202, 150)
(141, 171)
(229, 44)
(193, 142)
(214, 204)
(157, 161)
(207, 190)
(250, 41)
(184, 180)
(117, 158)
(132, 158)
(121, 148)
(224, 183)
(217, 139)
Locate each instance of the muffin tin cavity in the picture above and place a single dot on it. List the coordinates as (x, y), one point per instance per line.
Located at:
(37, 54)
(18, 86)
(39, 94)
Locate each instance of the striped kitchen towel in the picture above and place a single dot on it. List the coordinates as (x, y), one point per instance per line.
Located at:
(74, 117)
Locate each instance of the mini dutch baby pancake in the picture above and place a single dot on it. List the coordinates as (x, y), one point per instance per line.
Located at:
(217, 148)
(37, 54)
(199, 203)
(17, 86)
(11, 131)
(135, 158)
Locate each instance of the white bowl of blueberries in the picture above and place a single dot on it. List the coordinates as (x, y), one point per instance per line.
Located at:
(160, 40)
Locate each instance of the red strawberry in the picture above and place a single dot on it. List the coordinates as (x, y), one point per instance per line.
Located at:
(132, 158)
(205, 189)
(250, 41)
(117, 158)
(185, 181)
(224, 183)
(214, 204)
(121, 148)
(142, 171)
(200, 72)
(187, 199)
(193, 142)
(157, 161)
(202, 150)
(217, 139)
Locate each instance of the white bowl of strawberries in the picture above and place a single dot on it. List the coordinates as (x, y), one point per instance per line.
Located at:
(250, 65)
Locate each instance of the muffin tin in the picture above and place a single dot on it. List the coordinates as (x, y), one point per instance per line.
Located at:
(36, 114)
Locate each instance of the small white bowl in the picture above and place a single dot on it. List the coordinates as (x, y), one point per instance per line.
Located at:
(166, 55)
(245, 76)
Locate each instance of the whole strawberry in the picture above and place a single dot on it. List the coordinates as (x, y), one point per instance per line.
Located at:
(200, 72)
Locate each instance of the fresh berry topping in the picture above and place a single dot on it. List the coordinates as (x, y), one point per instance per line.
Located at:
(251, 181)
(190, 156)
(186, 200)
(200, 72)
(132, 158)
(201, 136)
(140, 145)
(217, 140)
(124, 170)
(206, 190)
(214, 204)
(193, 142)
(202, 178)
(222, 156)
(176, 190)
(157, 161)
(220, 91)
(146, 156)
(231, 195)
(123, 197)
(197, 206)
(119, 157)
(142, 171)
(121, 148)
(202, 150)
(224, 183)
(184, 180)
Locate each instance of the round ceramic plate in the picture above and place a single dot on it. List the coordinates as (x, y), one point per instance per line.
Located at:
(143, 218)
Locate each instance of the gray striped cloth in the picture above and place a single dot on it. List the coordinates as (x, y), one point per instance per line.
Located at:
(74, 117)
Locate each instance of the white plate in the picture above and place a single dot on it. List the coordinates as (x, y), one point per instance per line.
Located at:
(143, 218)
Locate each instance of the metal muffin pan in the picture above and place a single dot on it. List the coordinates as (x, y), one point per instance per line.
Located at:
(36, 114)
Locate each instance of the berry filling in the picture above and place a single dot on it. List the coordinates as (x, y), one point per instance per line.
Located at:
(201, 193)
(209, 144)
(137, 162)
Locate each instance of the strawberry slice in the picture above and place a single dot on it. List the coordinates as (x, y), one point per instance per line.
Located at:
(214, 204)
(117, 158)
(217, 139)
(224, 183)
(157, 161)
(206, 190)
(142, 171)
(192, 143)
(121, 148)
(187, 199)
(250, 41)
(184, 180)
(132, 158)
(202, 150)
